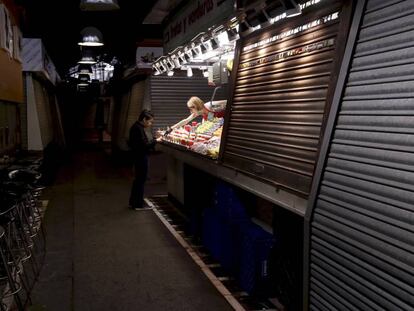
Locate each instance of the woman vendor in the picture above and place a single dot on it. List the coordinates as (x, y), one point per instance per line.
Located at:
(208, 110)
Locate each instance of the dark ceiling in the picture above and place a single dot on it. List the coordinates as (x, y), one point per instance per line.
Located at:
(59, 22)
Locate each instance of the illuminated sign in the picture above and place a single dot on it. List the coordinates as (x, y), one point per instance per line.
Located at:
(290, 53)
(292, 32)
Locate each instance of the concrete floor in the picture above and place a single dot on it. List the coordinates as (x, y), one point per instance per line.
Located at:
(102, 256)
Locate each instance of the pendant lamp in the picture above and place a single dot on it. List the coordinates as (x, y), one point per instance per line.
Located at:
(90, 36)
(99, 5)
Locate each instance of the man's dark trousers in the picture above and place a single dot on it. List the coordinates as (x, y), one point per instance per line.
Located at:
(136, 199)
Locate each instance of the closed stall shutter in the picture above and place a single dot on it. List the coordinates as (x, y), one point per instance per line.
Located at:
(43, 111)
(362, 233)
(135, 105)
(169, 96)
(131, 105)
(280, 97)
(122, 117)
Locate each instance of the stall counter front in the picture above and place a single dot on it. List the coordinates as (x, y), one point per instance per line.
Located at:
(266, 191)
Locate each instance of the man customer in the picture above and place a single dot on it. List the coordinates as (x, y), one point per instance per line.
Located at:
(140, 145)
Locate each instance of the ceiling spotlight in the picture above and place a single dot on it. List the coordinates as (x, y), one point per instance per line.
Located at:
(189, 72)
(181, 58)
(90, 36)
(176, 61)
(232, 34)
(156, 71)
(162, 68)
(214, 43)
(170, 73)
(99, 5)
(196, 50)
(170, 64)
(206, 45)
(203, 48)
(187, 57)
(159, 64)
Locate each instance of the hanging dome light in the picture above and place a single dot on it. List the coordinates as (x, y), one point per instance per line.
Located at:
(84, 68)
(84, 79)
(87, 57)
(90, 36)
(99, 5)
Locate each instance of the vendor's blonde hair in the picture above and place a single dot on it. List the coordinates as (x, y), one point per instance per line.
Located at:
(196, 102)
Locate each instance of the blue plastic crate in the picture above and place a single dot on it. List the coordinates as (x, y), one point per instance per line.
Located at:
(228, 204)
(256, 245)
(230, 246)
(211, 235)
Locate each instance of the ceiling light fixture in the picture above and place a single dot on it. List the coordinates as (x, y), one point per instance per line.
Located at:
(99, 5)
(232, 34)
(90, 36)
(187, 57)
(84, 79)
(88, 57)
(214, 43)
(176, 61)
(84, 68)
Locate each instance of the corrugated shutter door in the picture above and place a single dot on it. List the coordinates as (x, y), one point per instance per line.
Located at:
(135, 105)
(362, 233)
(43, 111)
(169, 96)
(123, 114)
(279, 101)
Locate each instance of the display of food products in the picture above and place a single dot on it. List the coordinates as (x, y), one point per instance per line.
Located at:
(202, 138)
(209, 127)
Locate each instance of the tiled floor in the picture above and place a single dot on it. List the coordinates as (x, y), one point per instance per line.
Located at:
(102, 256)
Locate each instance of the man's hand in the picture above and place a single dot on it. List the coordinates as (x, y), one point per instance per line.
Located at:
(159, 139)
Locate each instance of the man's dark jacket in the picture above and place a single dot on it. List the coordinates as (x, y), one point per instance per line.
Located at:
(138, 141)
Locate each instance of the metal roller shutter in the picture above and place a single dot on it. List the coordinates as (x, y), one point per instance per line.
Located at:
(122, 117)
(135, 105)
(280, 97)
(362, 232)
(44, 112)
(169, 96)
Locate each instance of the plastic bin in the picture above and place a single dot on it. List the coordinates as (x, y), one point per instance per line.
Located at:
(255, 249)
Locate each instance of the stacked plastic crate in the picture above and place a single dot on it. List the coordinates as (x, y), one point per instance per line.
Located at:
(256, 246)
(240, 246)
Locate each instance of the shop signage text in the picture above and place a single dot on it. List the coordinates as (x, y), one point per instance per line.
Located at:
(291, 32)
(290, 53)
(195, 18)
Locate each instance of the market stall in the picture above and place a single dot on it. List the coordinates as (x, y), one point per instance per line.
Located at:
(281, 82)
